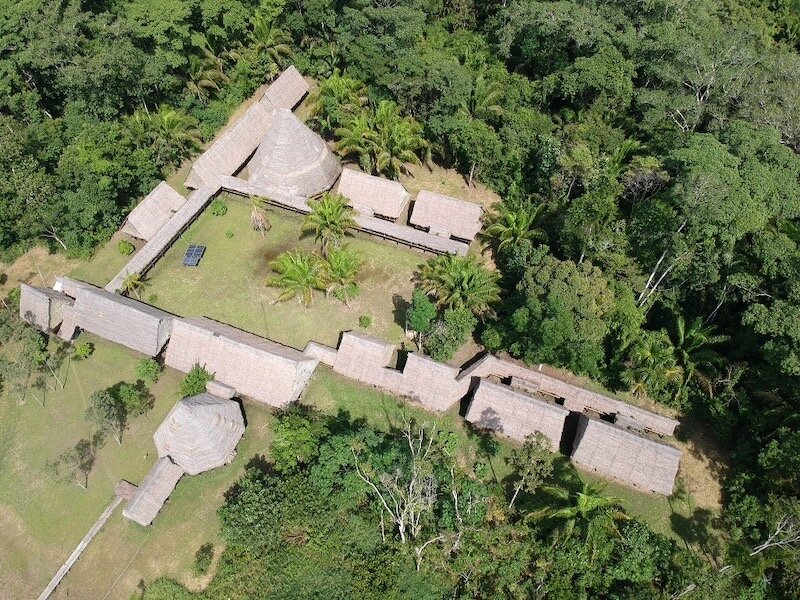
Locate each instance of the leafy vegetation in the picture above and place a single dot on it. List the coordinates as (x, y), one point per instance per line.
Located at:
(195, 381)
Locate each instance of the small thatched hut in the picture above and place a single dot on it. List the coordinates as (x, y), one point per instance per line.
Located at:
(153, 492)
(431, 383)
(126, 321)
(625, 456)
(286, 91)
(200, 433)
(446, 216)
(499, 408)
(365, 359)
(256, 367)
(370, 195)
(42, 307)
(292, 161)
(152, 213)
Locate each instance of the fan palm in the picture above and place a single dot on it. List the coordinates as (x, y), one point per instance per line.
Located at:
(510, 225)
(270, 42)
(460, 282)
(329, 219)
(133, 283)
(340, 272)
(298, 275)
(484, 100)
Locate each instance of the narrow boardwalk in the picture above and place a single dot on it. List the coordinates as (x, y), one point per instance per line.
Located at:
(73, 558)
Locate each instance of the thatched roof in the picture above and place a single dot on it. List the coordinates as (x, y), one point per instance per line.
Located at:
(431, 383)
(256, 367)
(162, 240)
(154, 490)
(251, 188)
(286, 91)
(291, 160)
(324, 354)
(200, 433)
(365, 359)
(446, 216)
(503, 410)
(126, 321)
(152, 213)
(42, 307)
(371, 195)
(625, 456)
(219, 389)
(409, 236)
(231, 149)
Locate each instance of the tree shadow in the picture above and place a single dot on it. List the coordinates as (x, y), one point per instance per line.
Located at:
(401, 306)
(696, 531)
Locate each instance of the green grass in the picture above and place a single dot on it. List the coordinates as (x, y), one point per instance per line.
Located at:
(229, 285)
(105, 264)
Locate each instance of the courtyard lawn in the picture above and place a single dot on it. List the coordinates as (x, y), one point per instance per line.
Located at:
(229, 284)
(106, 262)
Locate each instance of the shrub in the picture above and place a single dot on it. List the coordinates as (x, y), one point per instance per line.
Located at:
(83, 350)
(365, 321)
(148, 370)
(449, 333)
(152, 298)
(203, 558)
(218, 208)
(125, 247)
(195, 381)
(228, 234)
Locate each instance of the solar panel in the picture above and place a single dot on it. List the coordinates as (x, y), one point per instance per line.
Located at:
(193, 255)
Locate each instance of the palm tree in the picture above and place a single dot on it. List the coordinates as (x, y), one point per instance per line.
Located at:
(337, 100)
(270, 41)
(258, 216)
(340, 272)
(133, 283)
(484, 100)
(299, 274)
(398, 140)
(651, 367)
(174, 134)
(460, 282)
(357, 138)
(204, 74)
(510, 224)
(693, 351)
(329, 219)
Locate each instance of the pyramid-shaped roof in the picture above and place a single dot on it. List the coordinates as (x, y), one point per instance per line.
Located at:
(200, 433)
(293, 161)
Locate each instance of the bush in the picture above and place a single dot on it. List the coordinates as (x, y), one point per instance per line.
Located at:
(203, 558)
(365, 321)
(152, 298)
(449, 333)
(218, 208)
(148, 370)
(83, 350)
(125, 247)
(228, 234)
(195, 381)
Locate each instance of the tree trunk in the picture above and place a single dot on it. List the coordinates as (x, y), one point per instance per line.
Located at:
(514, 497)
(471, 175)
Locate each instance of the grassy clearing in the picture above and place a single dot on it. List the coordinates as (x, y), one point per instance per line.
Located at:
(229, 283)
(106, 262)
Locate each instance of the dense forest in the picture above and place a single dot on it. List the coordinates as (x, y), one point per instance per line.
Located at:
(647, 157)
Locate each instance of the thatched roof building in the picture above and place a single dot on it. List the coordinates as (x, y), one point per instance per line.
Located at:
(370, 195)
(153, 492)
(498, 408)
(625, 456)
(431, 383)
(152, 213)
(365, 359)
(231, 149)
(286, 91)
(242, 187)
(291, 160)
(126, 321)
(42, 307)
(408, 236)
(256, 367)
(324, 354)
(446, 216)
(200, 433)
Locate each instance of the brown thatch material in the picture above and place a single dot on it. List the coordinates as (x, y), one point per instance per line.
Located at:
(286, 91)
(200, 433)
(162, 240)
(292, 161)
(446, 216)
(152, 213)
(231, 149)
(625, 456)
(42, 307)
(431, 383)
(250, 188)
(363, 358)
(217, 388)
(256, 367)
(409, 236)
(500, 409)
(153, 492)
(324, 354)
(126, 321)
(371, 195)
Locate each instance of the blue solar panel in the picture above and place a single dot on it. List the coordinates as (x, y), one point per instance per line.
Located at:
(193, 255)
